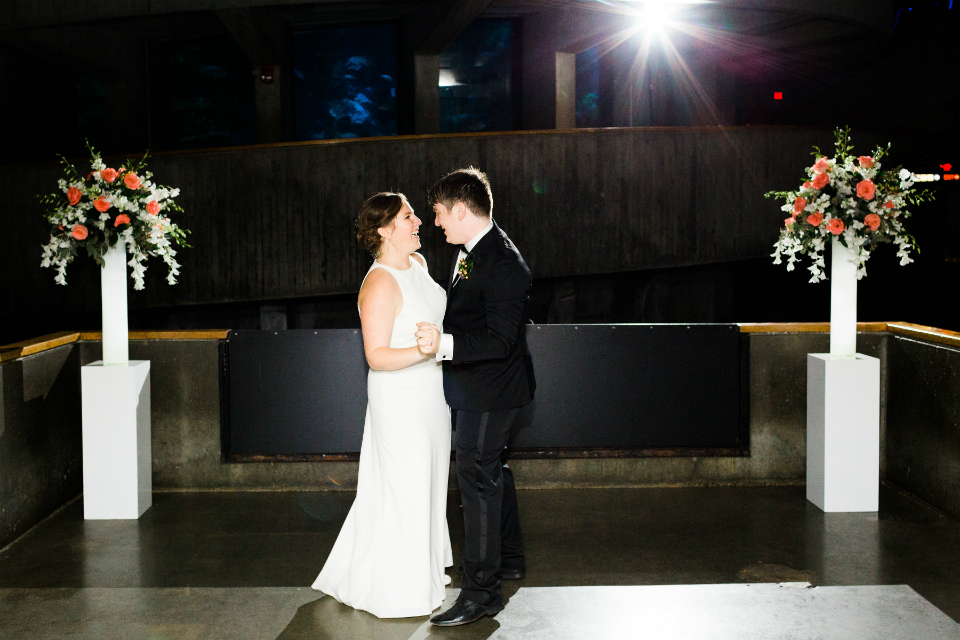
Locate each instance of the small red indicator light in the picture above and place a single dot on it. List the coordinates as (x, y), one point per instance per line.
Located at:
(946, 167)
(778, 95)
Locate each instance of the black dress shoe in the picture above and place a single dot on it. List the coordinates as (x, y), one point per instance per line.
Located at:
(513, 574)
(465, 612)
(505, 574)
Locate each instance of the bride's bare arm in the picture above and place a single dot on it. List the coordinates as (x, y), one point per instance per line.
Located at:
(380, 300)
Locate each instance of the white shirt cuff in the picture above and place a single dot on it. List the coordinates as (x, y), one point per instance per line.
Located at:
(445, 351)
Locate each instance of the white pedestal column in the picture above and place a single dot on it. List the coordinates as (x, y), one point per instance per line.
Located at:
(113, 301)
(117, 459)
(843, 432)
(843, 301)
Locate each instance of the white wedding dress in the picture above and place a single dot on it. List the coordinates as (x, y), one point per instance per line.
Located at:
(390, 556)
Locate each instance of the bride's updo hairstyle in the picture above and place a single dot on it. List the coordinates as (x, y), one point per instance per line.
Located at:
(378, 211)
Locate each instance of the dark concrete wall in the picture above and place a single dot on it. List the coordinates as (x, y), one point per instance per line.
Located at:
(40, 446)
(185, 421)
(40, 430)
(778, 426)
(186, 432)
(923, 421)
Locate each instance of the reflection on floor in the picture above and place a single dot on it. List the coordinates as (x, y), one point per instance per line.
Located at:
(239, 565)
(157, 614)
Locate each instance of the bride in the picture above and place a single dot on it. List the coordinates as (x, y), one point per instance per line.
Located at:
(390, 556)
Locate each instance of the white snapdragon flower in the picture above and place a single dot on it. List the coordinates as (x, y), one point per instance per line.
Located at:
(906, 179)
(137, 268)
(903, 251)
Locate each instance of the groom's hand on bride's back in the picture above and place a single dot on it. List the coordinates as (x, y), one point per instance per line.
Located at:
(428, 338)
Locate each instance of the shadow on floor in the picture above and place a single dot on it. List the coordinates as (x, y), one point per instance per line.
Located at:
(326, 618)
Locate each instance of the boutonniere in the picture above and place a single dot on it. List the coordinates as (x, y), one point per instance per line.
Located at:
(465, 266)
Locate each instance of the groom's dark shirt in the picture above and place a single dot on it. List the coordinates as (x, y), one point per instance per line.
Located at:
(491, 368)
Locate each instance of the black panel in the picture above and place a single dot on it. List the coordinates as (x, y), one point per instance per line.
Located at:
(634, 386)
(599, 387)
(296, 392)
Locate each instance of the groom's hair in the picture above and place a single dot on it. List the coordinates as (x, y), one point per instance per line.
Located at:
(469, 186)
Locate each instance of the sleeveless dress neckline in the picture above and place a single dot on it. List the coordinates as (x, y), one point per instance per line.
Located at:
(386, 266)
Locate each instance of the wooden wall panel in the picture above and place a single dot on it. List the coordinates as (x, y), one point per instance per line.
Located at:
(278, 222)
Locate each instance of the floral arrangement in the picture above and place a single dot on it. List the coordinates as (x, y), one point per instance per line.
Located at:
(849, 198)
(110, 206)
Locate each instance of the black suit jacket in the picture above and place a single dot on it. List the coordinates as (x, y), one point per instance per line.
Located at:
(491, 369)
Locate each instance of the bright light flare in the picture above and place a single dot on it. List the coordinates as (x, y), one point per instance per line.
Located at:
(656, 16)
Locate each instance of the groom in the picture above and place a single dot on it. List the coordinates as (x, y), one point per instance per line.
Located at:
(487, 379)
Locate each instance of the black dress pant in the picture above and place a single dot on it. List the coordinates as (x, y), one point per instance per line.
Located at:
(493, 538)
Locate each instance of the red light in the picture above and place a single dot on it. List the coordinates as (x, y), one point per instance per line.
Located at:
(778, 95)
(946, 167)
(951, 176)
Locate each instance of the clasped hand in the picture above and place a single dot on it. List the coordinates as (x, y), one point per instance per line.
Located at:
(428, 338)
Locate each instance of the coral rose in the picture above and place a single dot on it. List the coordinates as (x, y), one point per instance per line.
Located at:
(873, 221)
(79, 232)
(835, 226)
(101, 204)
(821, 181)
(806, 185)
(866, 190)
(121, 219)
(131, 180)
(788, 223)
(799, 204)
(889, 204)
(815, 218)
(153, 208)
(821, 165)
(73, 195)
(866, 162)
(109, 174)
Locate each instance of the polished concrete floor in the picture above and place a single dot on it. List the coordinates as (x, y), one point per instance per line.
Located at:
(232, 565)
